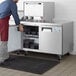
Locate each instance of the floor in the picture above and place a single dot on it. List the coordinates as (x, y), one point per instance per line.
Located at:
(66, 67)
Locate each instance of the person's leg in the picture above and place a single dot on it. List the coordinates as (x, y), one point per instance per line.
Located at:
(3, 51)
(4, 26)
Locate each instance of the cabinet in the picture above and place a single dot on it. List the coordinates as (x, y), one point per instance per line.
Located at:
(14, 42)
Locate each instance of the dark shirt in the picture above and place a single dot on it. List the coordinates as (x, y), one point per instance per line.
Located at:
(7, 8)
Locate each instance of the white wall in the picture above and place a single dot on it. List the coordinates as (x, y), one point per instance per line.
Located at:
(66, 10)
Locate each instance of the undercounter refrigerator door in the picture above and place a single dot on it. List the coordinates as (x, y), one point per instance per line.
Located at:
(14, 42)
(50, 39)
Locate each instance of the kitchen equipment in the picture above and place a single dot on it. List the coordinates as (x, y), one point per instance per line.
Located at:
(39, 11)
(53, 38)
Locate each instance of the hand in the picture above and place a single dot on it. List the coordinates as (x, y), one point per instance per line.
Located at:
(21, 29)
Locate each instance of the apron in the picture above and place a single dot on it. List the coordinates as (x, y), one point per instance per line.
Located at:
(4, 27)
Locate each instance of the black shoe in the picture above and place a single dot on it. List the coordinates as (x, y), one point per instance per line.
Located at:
(1, 63)
(9, 59)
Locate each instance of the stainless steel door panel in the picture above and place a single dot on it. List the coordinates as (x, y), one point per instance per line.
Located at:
(50, 40)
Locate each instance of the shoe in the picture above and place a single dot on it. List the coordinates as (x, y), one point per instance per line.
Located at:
(5, 63)
(9, 59)
(1, 62)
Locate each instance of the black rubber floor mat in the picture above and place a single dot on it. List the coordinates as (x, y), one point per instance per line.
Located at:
(29, 64)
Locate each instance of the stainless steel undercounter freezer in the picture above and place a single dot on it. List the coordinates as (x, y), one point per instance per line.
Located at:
(52, 38)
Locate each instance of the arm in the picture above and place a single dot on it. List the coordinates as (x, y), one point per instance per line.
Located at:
(14, 13)
(16, 17)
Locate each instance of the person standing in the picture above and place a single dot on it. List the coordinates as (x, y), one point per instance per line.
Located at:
(7, 8)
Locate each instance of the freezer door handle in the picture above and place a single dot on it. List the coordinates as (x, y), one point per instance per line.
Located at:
(46, 29)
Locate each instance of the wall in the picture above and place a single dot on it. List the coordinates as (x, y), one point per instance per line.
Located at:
(65, 10)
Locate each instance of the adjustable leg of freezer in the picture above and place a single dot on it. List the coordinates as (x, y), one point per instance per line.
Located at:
(60, 57)
(26, 53)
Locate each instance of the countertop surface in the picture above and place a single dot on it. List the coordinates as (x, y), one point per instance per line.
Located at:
(12, 23)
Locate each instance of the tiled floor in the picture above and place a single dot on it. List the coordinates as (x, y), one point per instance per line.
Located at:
(67, 67)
